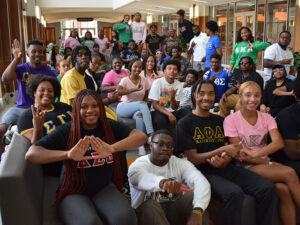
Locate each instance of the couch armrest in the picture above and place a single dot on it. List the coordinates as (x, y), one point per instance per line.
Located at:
(21, 185)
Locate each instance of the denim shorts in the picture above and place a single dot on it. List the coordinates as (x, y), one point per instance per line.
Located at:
(12, 115)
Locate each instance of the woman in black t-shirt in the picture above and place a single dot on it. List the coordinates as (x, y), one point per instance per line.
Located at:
(88, 148)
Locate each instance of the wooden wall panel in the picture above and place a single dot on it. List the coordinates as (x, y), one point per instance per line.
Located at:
(34, 29)
(29, 27)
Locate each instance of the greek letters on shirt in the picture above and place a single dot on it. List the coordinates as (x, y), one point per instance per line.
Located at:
(253, 140)
(95, 162)
(50, 125)
(208, 135)
(243, 49)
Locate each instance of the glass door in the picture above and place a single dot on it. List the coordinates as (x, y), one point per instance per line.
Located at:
(245, 19)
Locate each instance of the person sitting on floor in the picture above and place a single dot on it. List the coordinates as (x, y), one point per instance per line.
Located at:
(200, 136)
(89, 145)
(166, 95)
(134, 90)
(156, 186)
(45, 115)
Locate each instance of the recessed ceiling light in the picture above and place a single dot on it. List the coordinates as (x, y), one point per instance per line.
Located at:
(200, 1)
(163, 7)
(155, 10)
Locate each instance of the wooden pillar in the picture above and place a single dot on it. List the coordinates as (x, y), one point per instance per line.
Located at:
(30, 27)
(297, 29)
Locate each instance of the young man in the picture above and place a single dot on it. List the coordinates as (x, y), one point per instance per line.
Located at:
(171, 42)
(130, 54)
(73, 81)
(166, 95)
(184, 62)
(139, 31)
(213, 44)
(230, 99)
(279, 53)
(22, 73)
(102, 41)
(221, 76)
(185, 26)
(156, 186)
(153, 40)
(288, 122)
(200, 136)
(198, 48)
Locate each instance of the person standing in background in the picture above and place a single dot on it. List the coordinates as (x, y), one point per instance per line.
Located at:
(139, 31)
(124, 30)
(185, 26)
(102, 42)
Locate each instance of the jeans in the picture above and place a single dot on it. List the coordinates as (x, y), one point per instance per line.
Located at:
(131, 109)
(108, 206)
(230, 184)
(161, 120)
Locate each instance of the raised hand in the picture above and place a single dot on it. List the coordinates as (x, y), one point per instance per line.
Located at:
(17, 52)
(38, 117)
(250, 45)
(102, 148)
(213, 77)
(139, 86)
(78, 151)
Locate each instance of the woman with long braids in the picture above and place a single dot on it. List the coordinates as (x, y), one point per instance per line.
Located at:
(55, 57)
(89, 147)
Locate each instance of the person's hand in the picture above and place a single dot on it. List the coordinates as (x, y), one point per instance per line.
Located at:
(203, 59)
(250, 45)
(195, 219)
(172, 119)
(247, 154)
(237, 85)
(172, 92)
(102, 71)
(263, 108)
(270, 40)
(17, 52)
(286, 61)
(78, 151)
(38, 117)
(153, 76)
(193, 44)
(233, 149)
(213, 77)
(114, 97)
(170, 186)
(139, 86)
(102, 148)
(219, 161)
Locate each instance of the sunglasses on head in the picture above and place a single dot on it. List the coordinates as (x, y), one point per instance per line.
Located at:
(158, 53)
(244, 63)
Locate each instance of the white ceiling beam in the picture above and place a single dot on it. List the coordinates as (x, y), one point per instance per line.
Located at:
(75, 3)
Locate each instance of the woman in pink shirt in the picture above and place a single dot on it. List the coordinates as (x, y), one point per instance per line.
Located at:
(113, 77)
(73, 40)
(102, 41)
(150, 69)
(251, 127)
(134, 90)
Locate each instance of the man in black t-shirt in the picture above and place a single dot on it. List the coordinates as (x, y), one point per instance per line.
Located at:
(200, 136)
(153, 40)
(288, 122)
(185, 26)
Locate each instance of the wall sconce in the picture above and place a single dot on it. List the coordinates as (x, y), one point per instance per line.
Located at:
(37, 12)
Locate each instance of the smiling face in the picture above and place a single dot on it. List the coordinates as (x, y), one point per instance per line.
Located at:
(89, 113)
(35, 54)
(64, 66)
(82, 60)
(131, 45)
(171, 33)
(150, 63)
(126, 19)
(117, 65)
(245, 34)
(196, 30)
(162, 146)
(44, 94)
(88, 36)
(250, 97)
(245, 64)
(205, 97)
(136, 68)
(95, 64)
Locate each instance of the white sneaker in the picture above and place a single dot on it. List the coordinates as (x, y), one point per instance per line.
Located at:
(142, 151)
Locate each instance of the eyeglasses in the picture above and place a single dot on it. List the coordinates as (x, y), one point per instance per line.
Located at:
(158, 53)
(244, 63)
(161, 144)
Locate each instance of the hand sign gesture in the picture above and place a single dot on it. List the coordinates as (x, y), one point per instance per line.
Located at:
(38, 117)
(102, 148)
(17, 52)
(139, 86)
(78, 151)
(250, 45)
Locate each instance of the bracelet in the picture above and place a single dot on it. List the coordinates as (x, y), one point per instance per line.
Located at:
(198, 212)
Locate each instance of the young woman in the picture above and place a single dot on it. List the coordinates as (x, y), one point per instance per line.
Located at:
(160, 59)
(113, 77)
(134, 90)
(271, 103)
(67, 52)
(124, 30)
(116, 44)
(150, 71)
(46, 115)
(55, 57)
(89, 147)
(88, 40)
(251, 128)
(246, 46)
(73, 40)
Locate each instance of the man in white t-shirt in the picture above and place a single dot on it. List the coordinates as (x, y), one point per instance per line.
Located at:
(198, 49)
(166, 94)
(279, 53)
(156, 186)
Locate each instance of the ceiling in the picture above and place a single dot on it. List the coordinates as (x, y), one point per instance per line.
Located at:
(113, 10)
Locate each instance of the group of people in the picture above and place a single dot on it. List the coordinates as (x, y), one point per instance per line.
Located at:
(70, 116)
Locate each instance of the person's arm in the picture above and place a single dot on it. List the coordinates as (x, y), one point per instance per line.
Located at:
(292, 149)
(219, 51)
(292, 71)
(282, 91)
(268, 63)
(260, 46)
(148, 49)
(135, 139)
(227, 93)
(123, 91)
(106, 88)
(9, 74)
(165, 49)
(120, 26)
